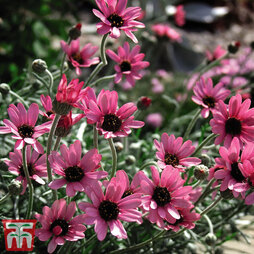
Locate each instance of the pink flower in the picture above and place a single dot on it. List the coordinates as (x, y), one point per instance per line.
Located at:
(218, 53)
(129, 63)
(57, 222)
(172, 151)
(36, 165)
(233, 120)
(164, 30)
(115, 17)
(208, 96)
(80, 58)
(76, 173)
(180, 15)
(47, 105)
(234, 167)
(22, 125)
(158, 87)
(110, 121)
(107, 210)
(165, 196)
(154, 119)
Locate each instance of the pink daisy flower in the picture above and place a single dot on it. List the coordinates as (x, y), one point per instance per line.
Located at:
(172, 151)
(80, 58)
(180, 15)
(165, 196)
(129, 63)
(110, 121)
(218, 52)
(57, 222)
(107, 210)
(233, 120)
(208, 96)
(76, 173)
(22, 125)
(47, 105)
(164, 30)
(234, 167)
(115, 17)
(36, 165)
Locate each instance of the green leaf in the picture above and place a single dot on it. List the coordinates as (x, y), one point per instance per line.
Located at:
(14, 235)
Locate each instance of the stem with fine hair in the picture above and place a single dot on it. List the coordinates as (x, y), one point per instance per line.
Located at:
(206, 190)
(51, 81)
(18, 97)
(103, 60)
(102, 79)
(149, 163)
(30, 185)
(210, 207)
(95, 137)
(84, 244)
(191, 124)
(49, 144)
(114, 157)
(210, 224)
(58, 140)
(5, 197)
(63, 59)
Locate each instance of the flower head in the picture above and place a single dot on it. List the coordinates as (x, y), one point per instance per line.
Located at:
(154, 119)
(218, 52)
(22, 125)
(233, 120)
(129, 63)
(57, 222)
(75, 172)
(36, 166)
(115, 17)
(107, 210)
(208, 96)
(172, 151)
(80, 58)
(111, 121)
(47, 105)
(180, 15)
(164, 30)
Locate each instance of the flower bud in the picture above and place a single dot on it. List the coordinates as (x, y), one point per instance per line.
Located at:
(15, 187)
(233, 47)
(210, 239)
(61, 108)
(3, 166)
(4, 89)
(75, 32)
(64, 126)
(118, 146)
(130, 159)
(143, 103)
(205, 160)
(201, 172)
(227, 194)
(39, 66)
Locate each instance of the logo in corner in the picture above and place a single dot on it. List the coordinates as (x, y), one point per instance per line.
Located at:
(19, 234)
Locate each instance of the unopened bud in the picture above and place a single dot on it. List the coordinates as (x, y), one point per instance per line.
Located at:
(205, 160)
(130, 160)
(3, 166)
(201, 172)
(4, 89)
(144, 103)
(233, 47)
(61, 108)
(227, 194)
(210, 239)
(39, 66)
(15, 187)
(75, 32)
(118, 146)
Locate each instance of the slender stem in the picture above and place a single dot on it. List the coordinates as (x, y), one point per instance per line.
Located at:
(18, 97)
(210, 207)
(68, 200)
(139, 245)
(149, 163)
(191, 124)
(58, 140)
(51, 81)
(206, 190)
(102, 79)
(63, 59)
(95, 137)
(5, 197)
(41, 79)
(84, 244)
(102, 63)
(196, 184)
(63, 247)
(210, 224)
(49, 144)
(204, 142)
(114, 157)
(30, 186)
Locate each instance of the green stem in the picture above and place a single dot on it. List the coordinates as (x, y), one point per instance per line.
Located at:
(209, 222)
(114, 157)
(43, 81)
(2, 200)
(18, 97)
(204, 142)
(210, 207)
(140, 245)
(95, 137)
(51, 81)
(102, 79)
(149, 163)
(196, 184)
(30, 186)
(58, 140)
(49, 144)
(84, 244)
(206, 190)
(102, 63)
(191, 124)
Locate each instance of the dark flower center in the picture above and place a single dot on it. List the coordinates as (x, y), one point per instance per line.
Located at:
(209, 101)
(125, 66)
(108, 210)
(61, 223)
(26, 131)
(161, 196)
(127, 193)
(111, 123)
(233, 126)
(171, 159)
(74, 174)
(236, 172)
(49, 113)
(115, 20)
(31, 170)
(78, 58)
